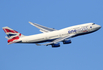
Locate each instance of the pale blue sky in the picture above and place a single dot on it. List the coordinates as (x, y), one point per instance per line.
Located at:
(85, 52)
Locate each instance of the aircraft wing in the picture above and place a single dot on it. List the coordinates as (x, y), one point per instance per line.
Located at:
(42, 28)
(59, 40)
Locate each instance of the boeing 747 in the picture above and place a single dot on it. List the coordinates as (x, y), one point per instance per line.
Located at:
(50, 35)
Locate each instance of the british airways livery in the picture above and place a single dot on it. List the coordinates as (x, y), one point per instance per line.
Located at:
(50, 35)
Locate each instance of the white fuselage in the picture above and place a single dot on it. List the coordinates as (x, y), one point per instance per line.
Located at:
(49, 36)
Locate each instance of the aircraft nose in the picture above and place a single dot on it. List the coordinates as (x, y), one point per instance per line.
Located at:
(98, 26)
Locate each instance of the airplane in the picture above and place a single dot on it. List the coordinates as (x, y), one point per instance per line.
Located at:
(50, 35)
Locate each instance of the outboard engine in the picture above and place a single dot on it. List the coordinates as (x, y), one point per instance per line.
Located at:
(67, 41)
(56, 45)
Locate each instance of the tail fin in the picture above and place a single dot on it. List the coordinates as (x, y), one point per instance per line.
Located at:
(12, 34)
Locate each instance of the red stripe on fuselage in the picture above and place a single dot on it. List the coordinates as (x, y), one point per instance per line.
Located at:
(85, 31)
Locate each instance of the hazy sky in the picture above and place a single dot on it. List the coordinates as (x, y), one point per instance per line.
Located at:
(85, 52)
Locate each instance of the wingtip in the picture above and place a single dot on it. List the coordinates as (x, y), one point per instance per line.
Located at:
(30, 22)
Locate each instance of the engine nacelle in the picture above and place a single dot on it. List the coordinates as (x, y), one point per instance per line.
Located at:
(67, 41)
(56, 45)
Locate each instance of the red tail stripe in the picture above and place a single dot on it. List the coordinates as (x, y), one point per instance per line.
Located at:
(13, 31)
(14, 38)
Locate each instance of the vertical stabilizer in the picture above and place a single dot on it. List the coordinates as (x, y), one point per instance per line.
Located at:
(12, 35)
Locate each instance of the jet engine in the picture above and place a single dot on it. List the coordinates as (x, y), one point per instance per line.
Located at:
(56, 45)
(67, 41)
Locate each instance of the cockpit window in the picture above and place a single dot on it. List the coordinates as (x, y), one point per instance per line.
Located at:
(93, 24)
